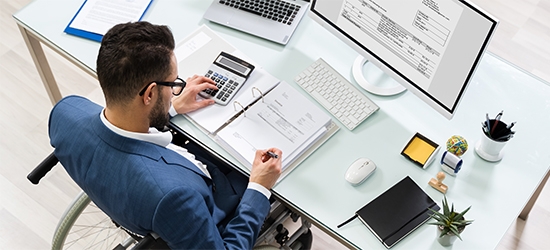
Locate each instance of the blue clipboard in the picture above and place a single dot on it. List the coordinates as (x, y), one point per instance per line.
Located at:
(87, 34)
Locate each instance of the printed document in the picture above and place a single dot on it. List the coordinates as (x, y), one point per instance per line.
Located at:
(98, 16)
(283, 118)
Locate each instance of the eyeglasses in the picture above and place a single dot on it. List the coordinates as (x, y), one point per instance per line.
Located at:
(177, 86)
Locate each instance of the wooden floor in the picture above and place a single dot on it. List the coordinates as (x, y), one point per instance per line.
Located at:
(29, 214)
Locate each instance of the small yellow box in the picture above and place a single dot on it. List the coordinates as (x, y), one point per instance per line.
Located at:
(420, 150)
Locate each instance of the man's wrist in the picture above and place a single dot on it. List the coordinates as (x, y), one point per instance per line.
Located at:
(259, 188)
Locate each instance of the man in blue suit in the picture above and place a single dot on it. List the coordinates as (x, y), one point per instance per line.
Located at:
(129, 168)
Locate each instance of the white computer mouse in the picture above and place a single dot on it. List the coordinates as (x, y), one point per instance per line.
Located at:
(359, 170)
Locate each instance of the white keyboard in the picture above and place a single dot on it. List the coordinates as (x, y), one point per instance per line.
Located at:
(336, 94)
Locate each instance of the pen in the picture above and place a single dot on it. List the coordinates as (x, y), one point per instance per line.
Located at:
(506, 137)
(497, 119)
(510, 125)
(484, 126)
(488, 124)
(272, 155)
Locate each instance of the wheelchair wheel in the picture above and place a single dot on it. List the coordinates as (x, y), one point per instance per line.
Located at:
(85, 226)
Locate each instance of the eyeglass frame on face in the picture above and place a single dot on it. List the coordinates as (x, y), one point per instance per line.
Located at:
(169, 84)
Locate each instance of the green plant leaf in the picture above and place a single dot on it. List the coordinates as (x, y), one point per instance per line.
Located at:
(461, 215)
(436, 215)
(445, 205)
(444, 232)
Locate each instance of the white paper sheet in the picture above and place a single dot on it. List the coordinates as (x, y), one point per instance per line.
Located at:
(98, 16)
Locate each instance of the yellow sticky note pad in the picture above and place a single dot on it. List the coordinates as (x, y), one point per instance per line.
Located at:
(420, 150)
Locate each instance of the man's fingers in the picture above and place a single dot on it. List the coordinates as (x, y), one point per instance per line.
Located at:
(259, 157)
(204, 102)
(207, 80)
(207, 85)
(201, 82)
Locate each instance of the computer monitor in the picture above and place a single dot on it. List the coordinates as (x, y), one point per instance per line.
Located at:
(431, 47)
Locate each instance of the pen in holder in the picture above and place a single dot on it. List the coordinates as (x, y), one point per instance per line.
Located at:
(495, 135)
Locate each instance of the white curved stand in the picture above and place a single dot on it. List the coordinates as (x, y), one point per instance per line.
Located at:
(357, 70)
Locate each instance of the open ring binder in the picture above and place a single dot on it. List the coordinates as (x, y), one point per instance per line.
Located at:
(242, 108)
(254, 88)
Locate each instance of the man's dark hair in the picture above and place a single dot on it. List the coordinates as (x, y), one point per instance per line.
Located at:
(133, 55)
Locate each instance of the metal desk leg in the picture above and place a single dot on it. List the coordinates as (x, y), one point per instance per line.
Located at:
(42, 65)
(525, 212)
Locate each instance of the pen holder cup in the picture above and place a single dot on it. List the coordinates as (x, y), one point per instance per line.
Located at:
(489, 149)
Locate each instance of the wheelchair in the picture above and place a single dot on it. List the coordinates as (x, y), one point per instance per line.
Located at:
(84, 226)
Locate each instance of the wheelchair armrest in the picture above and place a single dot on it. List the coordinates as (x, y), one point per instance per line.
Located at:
(42, 169)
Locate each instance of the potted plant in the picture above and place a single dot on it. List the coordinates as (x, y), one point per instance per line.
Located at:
(449, 223)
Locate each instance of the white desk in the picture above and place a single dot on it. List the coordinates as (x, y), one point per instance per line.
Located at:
(498, 192)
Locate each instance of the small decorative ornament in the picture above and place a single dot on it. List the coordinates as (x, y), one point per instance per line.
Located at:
(457, 145)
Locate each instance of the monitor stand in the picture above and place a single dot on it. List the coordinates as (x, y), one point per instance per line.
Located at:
(383, 85)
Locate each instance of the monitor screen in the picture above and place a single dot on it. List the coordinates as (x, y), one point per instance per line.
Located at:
(432, 47)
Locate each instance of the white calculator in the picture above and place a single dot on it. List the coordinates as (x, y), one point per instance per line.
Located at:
(229, 72)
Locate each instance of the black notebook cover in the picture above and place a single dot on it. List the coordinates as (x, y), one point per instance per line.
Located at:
(397, 212)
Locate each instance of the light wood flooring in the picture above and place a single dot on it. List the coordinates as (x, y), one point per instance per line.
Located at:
(29, 214)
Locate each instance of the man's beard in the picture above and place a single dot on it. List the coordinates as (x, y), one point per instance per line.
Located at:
(158, 118)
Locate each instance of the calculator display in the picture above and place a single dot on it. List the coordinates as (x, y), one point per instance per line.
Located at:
(233, 65)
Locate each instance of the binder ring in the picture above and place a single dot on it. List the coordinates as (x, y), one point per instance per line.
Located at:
(254, 88)
(242, 108)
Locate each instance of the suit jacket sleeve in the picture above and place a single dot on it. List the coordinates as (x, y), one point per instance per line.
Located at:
(184, 220)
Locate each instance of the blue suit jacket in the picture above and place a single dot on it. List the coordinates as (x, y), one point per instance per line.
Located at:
(149, 188)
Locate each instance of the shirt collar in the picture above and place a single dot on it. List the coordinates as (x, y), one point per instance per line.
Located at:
(153, 136)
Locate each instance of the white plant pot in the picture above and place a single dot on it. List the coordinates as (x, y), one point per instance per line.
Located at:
(447, 239)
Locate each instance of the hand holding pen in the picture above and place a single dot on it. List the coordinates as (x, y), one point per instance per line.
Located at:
(266, 168)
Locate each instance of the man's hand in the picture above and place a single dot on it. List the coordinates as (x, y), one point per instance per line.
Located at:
(265, 169)
(187, 100)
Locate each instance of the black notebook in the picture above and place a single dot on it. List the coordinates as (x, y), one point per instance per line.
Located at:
(397, 212)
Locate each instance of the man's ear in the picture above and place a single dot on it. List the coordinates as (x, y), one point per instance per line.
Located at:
(149, 94)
